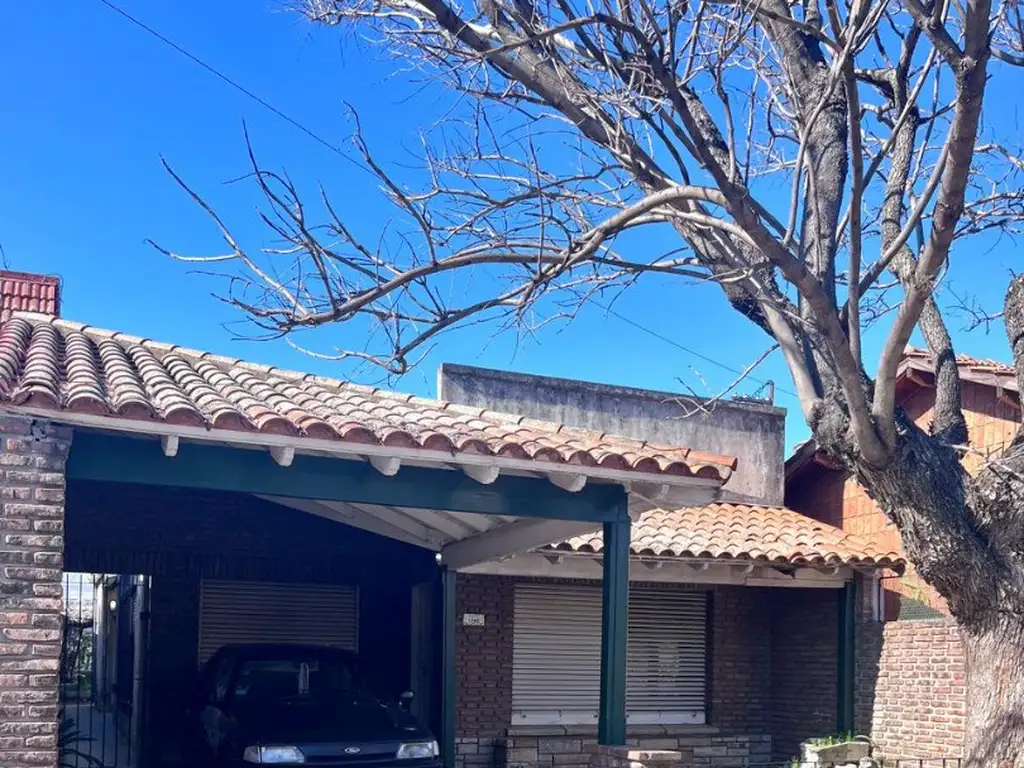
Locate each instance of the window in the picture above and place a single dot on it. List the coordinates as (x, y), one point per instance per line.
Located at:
(557, 655)
(222, 680)
(666, 656)
(310, 676)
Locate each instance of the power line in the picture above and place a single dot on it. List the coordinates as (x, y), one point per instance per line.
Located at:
(320, 140)
(687, 350)
(233, 83)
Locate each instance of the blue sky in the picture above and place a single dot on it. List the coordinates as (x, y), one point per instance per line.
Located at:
(90, 103)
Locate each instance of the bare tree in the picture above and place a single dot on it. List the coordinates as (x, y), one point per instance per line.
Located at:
(818, 159)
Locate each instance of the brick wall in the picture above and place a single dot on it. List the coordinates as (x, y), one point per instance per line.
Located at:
(180, 536)
(32, 456)
(911, 689)
(740, 659)
(838, 499)
(868, 652)
(804, 671)
(772, 673)
(129, 528)
(174, 638)
(483, 673)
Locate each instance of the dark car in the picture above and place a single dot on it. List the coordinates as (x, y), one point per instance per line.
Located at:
(300, 705)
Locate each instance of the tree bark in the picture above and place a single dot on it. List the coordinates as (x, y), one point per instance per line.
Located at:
(965, 537)
(995, 697)
(925, 491)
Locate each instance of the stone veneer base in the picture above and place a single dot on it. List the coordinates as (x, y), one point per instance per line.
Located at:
(571, 747)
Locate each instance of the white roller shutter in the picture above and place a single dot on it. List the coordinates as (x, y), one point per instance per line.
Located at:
(557, 655)
(261, 612)
(667, 655)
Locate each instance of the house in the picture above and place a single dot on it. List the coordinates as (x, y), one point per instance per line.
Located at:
(542, 581)
(765, 591)
(913, 668)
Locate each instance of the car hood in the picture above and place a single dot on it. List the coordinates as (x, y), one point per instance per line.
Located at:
(314, 721)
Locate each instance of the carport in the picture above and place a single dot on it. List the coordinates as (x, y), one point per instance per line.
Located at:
(439, 487)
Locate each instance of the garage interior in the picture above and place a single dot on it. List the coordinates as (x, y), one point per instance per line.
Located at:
(226, 567)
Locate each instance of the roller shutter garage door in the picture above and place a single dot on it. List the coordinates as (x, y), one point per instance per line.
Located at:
(557, 655)
(262, 612)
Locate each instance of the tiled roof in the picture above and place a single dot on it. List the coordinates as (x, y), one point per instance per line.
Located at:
(52, 364)
(971, 368)
(743, 532)
(981, 371)
(20, 291)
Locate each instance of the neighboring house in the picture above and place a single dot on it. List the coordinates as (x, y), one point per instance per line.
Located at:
(263, 504)
(918, 672)
(818, 489)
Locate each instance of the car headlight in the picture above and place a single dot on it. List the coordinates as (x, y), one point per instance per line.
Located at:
(417, 750)
(272, 755)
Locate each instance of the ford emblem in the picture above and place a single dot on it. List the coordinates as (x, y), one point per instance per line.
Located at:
(352, 750)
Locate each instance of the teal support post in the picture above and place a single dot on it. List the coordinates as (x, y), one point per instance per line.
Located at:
(447, 744)
(614, 622)
(847, 657)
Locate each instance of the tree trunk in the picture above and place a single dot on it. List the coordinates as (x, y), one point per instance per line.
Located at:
(995, 697)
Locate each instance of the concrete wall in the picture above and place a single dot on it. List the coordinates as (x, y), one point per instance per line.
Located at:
(751, 432)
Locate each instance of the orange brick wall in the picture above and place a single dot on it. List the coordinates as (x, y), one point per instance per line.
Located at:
(838, 499)
(911, 688)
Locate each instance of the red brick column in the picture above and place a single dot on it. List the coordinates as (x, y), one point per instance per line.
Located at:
(32, 457)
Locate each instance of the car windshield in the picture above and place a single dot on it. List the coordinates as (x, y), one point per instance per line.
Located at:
(315, 676)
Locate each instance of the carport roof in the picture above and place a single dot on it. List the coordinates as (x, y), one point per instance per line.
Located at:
(129, 383)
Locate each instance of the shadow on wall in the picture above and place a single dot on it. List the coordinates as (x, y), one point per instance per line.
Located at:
(804, 667)
(868, 659)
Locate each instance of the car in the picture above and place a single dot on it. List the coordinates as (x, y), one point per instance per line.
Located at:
(292, 705)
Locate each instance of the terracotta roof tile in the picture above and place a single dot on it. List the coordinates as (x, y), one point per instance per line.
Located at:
(970, 367)
(52, 364)
(25, 292)
(725, 531)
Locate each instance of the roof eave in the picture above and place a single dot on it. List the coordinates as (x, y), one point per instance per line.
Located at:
(862, 562)
(652, 488)
(561, 564)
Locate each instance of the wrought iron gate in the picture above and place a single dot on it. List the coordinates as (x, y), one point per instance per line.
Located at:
(102, 671)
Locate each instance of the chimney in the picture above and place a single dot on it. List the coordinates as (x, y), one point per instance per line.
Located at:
(26, 292)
